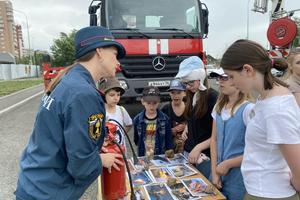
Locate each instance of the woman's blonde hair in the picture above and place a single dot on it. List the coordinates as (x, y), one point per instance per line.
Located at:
(223, 100)
(290, 59)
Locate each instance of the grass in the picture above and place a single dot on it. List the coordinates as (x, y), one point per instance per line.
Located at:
(8, 87)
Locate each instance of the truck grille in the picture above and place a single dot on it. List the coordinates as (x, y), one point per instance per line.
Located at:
(141, 66)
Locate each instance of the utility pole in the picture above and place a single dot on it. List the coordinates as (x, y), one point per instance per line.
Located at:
(29, 48)
(248, 12)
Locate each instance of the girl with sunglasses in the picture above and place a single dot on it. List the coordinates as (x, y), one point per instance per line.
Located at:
(230, 116)
(200, 101)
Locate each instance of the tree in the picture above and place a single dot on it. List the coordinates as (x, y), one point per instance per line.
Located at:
(63, 49)
(211, 60)
(38, 57)
(23, 60)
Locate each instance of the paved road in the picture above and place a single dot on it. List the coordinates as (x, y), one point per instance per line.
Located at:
(15, 129)
(14, 98)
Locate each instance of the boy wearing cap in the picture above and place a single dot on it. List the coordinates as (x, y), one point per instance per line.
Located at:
(200, 101)
(112, 91)
(152, 130)
(174, 110)
(62, 159)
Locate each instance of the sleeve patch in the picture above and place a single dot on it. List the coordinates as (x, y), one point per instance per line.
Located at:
(95, 125)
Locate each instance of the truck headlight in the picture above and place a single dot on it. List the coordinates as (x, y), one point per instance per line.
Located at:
(123, 84)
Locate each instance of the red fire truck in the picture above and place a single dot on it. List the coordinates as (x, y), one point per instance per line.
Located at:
(157, 35)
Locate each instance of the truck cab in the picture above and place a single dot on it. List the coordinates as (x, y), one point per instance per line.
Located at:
(157, 36)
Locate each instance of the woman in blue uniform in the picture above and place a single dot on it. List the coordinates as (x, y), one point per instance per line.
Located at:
(61, 159)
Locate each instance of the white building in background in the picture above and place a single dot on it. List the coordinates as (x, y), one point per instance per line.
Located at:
(26, 52)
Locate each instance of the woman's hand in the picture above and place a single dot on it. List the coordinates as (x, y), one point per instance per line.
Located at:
(111, 160)
(194, 155)
(222, 168)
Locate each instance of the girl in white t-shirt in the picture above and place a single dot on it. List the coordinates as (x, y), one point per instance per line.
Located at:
(230, 116)
(112, 90)
(271, 162)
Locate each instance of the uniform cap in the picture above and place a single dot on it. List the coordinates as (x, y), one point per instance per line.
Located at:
(89, 38)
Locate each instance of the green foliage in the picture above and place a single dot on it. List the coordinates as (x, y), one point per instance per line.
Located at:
(8, 87)
(38, 58)
(63, 49)
(211, 60)
(23, 60)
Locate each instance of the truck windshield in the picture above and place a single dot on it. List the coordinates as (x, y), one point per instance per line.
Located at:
(153, 15)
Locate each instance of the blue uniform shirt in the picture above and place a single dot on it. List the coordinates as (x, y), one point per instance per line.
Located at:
(61, 159)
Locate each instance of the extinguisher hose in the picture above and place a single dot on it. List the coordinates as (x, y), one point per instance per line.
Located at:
(132, 196)
(135, 159)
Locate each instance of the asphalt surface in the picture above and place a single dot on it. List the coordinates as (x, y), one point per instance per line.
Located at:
(15, 129)
(14, 98)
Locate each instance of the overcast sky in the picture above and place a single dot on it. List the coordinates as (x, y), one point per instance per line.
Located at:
(228, 21)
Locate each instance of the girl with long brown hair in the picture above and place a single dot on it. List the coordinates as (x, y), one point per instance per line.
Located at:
(271, 161)
(200, 100)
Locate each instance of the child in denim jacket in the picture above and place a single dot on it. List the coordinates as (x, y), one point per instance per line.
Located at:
(152, 130)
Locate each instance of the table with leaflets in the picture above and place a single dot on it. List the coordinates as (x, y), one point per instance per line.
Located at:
(164, 178)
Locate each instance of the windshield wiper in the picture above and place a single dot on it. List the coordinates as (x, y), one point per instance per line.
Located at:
(175, 29)
(132, 29)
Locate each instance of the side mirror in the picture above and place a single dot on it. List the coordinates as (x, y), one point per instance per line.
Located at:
(204, 19)
(93, 20)
(92, 11)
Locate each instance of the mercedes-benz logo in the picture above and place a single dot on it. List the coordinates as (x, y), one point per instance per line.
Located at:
(159, 63)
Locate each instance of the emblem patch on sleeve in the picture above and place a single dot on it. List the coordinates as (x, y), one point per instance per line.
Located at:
(95, 125)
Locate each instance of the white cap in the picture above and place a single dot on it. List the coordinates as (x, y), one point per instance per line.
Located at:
(188, 65)
(217, 72)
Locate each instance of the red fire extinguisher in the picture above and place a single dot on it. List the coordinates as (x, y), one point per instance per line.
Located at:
(114, 183)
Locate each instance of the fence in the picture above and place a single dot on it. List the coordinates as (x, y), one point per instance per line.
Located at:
(12, 71)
